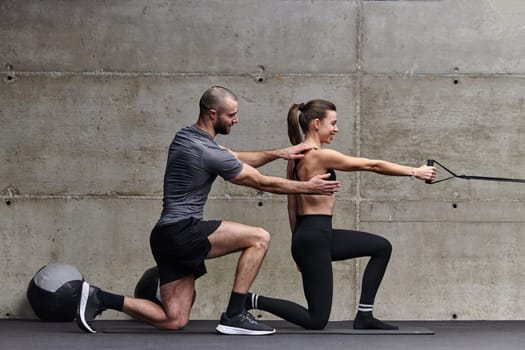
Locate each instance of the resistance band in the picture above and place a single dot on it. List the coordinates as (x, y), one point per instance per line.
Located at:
(431, 162)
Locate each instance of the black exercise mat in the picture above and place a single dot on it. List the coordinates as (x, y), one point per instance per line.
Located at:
(208, 327)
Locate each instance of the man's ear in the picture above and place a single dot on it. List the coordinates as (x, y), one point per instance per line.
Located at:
(212, 114)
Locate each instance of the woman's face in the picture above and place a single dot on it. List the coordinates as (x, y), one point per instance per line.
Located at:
(328, 127)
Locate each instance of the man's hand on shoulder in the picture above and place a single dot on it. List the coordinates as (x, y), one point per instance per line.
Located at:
(295, 152)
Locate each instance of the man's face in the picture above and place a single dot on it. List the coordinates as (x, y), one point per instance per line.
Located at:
(226, 117)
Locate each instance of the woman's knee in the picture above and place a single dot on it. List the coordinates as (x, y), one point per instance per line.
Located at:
(317, 323)
(387, 247)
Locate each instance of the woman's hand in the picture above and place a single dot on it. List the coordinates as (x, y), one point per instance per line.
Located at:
(425, 172)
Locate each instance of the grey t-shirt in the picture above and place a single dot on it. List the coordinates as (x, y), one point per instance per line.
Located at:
(194, 161)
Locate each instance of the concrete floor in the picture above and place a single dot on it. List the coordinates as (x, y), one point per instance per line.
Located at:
(130, 335)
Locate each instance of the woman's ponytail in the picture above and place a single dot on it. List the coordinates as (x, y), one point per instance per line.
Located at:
(294, 131)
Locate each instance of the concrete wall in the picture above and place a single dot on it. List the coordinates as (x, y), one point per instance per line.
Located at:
(91, 93)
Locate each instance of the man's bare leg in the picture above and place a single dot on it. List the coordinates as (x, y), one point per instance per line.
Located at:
(253, 243)
(177, 300)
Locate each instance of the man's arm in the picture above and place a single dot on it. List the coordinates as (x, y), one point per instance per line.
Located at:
(250, 177)
(259, 158)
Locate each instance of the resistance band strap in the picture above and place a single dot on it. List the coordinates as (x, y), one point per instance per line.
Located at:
(431, 162)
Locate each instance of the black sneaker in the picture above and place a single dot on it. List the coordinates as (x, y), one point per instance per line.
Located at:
(88, 308)
(242, 324)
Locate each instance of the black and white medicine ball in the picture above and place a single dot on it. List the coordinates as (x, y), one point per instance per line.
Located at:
(54, 292)
(148, 286)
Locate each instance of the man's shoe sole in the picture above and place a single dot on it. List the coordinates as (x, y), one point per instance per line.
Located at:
(81, 320)
(241, 331)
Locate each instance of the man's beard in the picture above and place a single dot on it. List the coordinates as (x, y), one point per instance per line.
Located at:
(221, 128)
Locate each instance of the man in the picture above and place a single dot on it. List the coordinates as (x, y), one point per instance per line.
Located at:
(181, 240)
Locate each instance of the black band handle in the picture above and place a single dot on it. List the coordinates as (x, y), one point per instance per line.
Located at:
(430, 162)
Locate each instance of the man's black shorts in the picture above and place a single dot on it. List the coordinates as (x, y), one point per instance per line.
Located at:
(180, 248)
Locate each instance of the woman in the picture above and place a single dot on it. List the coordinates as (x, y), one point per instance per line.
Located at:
(315, 244)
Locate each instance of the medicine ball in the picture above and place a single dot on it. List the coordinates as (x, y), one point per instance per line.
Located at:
(148, 286)
(54, 292)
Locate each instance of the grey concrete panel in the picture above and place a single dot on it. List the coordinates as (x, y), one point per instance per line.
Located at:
(472, 270)
(181, 36)
(106, 239)
(452, 210)
(454, 259)
(447, 36)
(104, 135)
(473, 126)
(90, 135)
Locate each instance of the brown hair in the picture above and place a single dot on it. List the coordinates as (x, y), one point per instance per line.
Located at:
(314, 109)
(213, 97)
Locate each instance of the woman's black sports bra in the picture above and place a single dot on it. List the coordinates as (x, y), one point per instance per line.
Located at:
(332, 177)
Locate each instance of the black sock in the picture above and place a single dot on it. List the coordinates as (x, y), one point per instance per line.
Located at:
(110, 300)
(365, 320)
(236, 304)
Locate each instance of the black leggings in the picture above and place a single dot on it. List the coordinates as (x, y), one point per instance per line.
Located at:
(314, 246)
